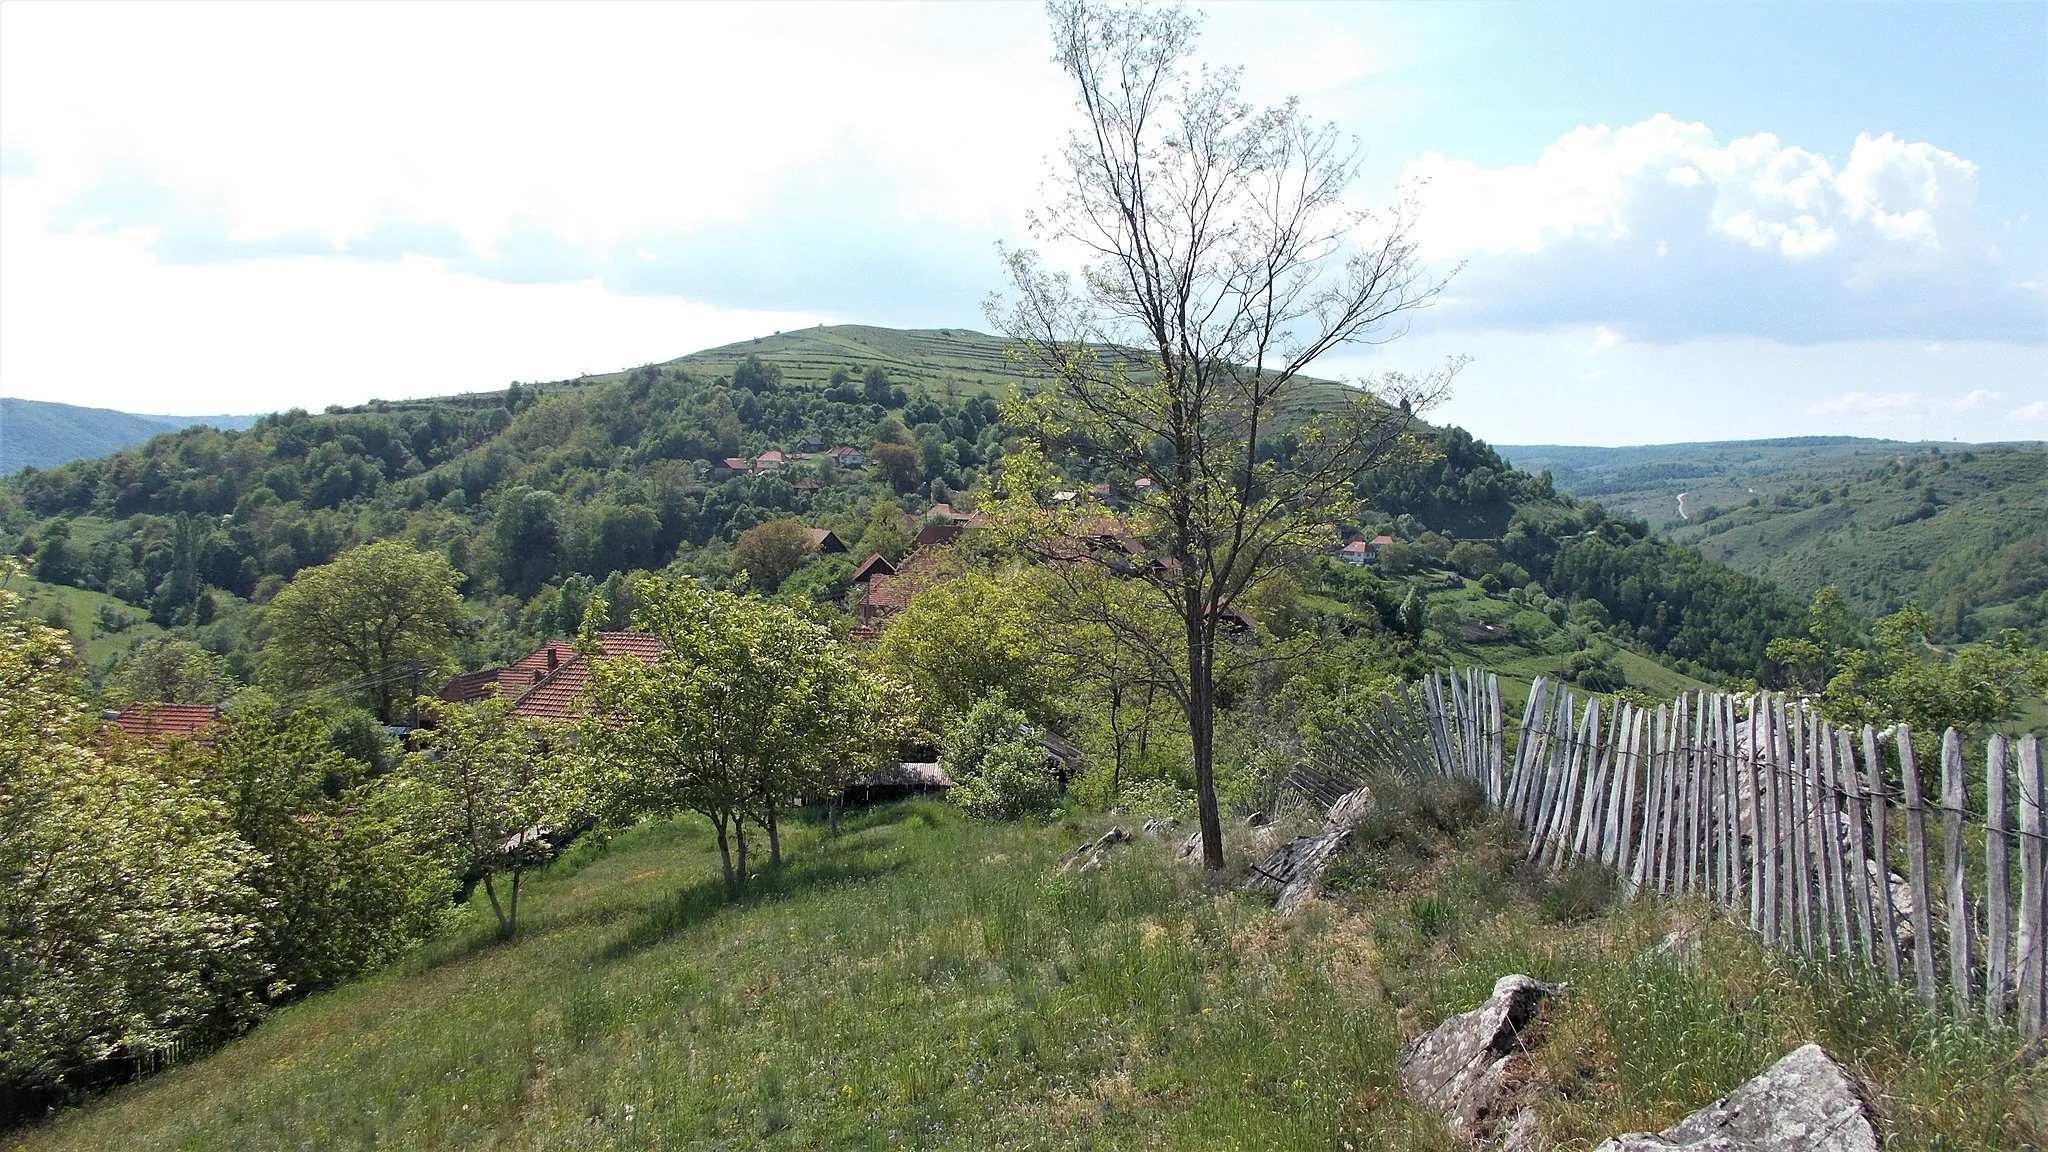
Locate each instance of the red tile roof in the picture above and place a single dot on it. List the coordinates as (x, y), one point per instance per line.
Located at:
(157, 723)
(547, 683)
(826, 540)
(935, 535)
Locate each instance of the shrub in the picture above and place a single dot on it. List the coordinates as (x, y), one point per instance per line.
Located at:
(1015, 780)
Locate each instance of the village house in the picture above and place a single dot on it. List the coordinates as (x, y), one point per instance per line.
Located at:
(156, 723)
(827, 541)
(769, 461)
(846, 456)
(547, 683)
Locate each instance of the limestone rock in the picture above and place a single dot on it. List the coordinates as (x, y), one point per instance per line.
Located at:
(1294, 869)
(1351, 809)
(1803, 1103)
(1158, 827)
(1467, 1066)
(1519, 1133)
(1257, 820)
(1092, 856)
(1191, 849)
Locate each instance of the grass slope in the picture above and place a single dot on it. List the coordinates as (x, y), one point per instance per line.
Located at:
(1962, 530)
(922, 982)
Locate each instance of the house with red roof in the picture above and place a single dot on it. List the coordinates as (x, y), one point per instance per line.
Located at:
(161, 723)
(547, 683)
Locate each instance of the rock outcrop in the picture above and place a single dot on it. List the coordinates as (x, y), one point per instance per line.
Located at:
(1091, 857)
(1803, 1103)
(1467, 1067)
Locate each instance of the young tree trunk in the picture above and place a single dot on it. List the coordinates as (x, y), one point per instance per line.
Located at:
(725, 854)
(497, 909)
(832, 807)
(1116, 738)
(512, 917)
(774, 840)
(1202, 734)
(739, 832)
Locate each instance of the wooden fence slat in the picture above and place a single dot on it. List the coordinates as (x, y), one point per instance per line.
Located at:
(1880, 830)
(1595, 776)
(1702, 856)
(1768, 779)
(1756, 814)
(1610, 824)
(1559, 833)
(1916, 862)
(1731, 839)
(1831, 825)
(1858, 877)
(1997, 885)
(1565, 771)
(2033, 957)
(1821, 831)
(1644, 875)
(1954, 799)
(1802, 831)
(1497, 737)
(1533, 717)
(1687, 767)
(1625, 840)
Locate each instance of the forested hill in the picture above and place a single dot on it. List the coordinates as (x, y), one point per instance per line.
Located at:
(1959, 529)
(41, 434)
(541, 492)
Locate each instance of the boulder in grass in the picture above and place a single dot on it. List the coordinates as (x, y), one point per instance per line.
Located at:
(1803, 1103)
(1467, 1067)
(1351, 809)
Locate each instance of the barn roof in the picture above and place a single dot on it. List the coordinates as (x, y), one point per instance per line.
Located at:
(547, 683)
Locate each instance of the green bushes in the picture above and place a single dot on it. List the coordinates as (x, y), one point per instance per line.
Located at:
(999, 772)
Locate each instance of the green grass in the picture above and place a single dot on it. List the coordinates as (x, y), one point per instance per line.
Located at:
(919, 981)
(80, 612)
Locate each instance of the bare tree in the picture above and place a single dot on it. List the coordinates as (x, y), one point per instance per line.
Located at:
(1220, 261)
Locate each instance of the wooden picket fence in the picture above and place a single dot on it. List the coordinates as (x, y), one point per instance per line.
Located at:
(1761, 806)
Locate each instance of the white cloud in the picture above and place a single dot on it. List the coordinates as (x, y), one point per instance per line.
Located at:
(2035, 413)
(1664, 232)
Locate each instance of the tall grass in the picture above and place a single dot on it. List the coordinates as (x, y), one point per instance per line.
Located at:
(921, 982)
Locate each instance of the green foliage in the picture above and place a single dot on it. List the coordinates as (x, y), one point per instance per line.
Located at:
(496, 788)
(999, 771)
(768, 553)
(962, 640)
(127, 923)
(381, 616)
(169, 669)
(346, 879)
(1901, 678)
(750, 709)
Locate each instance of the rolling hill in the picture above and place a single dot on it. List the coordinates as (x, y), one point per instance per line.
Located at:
(42, 434)
(1961, 530)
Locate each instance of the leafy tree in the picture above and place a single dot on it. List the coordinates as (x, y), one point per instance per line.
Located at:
(496, 787)
(755, 376)
(528, 537)
(381, 616)
(898, 464)
(345, 877)
(172, 670)
(769, 552)
(999, 771)
(125, 922)
(960, 640)
(1902, 677)
(875, 385)
(1220, 247)
(749, 708)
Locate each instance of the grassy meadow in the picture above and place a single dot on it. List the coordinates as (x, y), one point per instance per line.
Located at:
(921, 981)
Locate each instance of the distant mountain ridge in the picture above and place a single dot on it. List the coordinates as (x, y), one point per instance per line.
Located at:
(44, 434)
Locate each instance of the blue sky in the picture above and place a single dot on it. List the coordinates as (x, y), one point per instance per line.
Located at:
(1677, 221)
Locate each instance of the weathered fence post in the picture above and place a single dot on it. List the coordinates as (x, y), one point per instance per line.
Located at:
(1880, 828)
(1916, 863)
(1859, 884)
(1997, 886)
(1954, 799)
(2033, 1012)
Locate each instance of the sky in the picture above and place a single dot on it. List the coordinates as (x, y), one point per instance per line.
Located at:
(1672, 222)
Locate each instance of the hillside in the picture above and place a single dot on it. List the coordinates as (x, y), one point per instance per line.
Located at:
(42, 434)
(853, 1003)
(1961, 530)
(539, 493)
